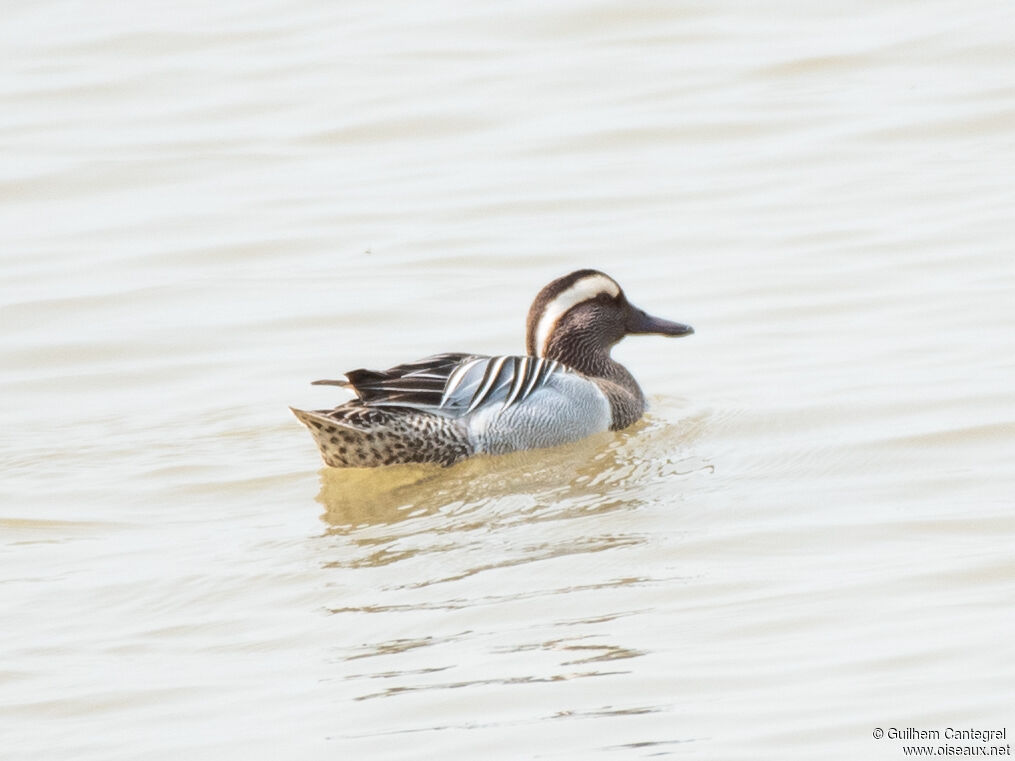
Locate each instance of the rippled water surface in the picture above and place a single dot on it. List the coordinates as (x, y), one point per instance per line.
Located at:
(206, 206)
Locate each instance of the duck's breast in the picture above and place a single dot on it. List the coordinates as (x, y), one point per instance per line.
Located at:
(565, 408)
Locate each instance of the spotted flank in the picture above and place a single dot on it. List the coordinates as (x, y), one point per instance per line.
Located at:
(367, 437)
(446, 407)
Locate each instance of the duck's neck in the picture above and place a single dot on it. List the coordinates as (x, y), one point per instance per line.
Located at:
(584, 353)
(627, 402)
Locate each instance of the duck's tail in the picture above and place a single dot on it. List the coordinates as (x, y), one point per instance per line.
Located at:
(358, 436)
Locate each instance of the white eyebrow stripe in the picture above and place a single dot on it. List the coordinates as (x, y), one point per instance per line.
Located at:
(585, 289)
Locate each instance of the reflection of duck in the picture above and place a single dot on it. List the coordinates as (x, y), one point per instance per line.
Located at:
(360, 497)
(447, 407)
(601, 473)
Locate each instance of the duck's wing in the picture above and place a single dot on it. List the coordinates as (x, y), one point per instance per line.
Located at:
(454, 384)
(485, 380)
(418, 384)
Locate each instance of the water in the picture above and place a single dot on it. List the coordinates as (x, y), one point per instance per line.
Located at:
(807, 538)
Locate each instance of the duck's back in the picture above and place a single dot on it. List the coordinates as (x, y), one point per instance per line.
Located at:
(507, 403)
(504, 403)
(448, 407)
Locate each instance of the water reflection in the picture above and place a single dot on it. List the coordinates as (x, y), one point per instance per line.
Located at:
(501, 682)
(494, 513)
(587, 652)
(354, 498)
(451, 554)
(593, 475)
(459, 603)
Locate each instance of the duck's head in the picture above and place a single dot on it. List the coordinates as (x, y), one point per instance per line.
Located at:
(584, 314)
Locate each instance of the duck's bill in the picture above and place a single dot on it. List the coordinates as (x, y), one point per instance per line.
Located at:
(640, 322)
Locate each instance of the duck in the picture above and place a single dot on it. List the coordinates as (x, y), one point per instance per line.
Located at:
(448, 407)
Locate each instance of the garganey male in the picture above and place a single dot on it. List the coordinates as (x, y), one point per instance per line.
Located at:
(447, 407)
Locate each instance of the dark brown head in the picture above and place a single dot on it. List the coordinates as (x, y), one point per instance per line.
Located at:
(586, 313)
